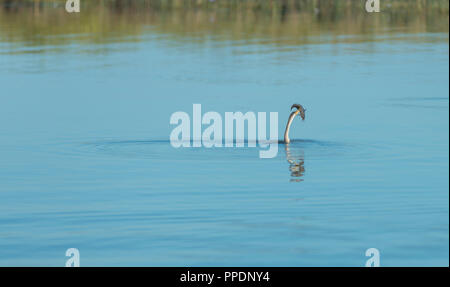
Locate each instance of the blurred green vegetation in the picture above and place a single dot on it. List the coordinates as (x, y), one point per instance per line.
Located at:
(292, 22)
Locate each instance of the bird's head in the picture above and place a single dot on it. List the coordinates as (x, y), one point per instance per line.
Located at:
(300, 110)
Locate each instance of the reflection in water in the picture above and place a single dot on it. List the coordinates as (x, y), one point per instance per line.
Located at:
(296, 163)
(294, 22)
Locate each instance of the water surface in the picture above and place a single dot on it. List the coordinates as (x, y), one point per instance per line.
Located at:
(86, 160)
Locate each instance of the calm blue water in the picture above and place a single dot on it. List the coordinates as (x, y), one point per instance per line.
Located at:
(85, 158)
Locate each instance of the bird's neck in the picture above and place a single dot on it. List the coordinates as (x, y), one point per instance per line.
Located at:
(288, 126)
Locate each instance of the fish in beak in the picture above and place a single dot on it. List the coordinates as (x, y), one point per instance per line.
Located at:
(300, 110)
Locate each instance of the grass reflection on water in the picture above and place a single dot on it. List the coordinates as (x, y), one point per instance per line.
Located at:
(289, 22)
